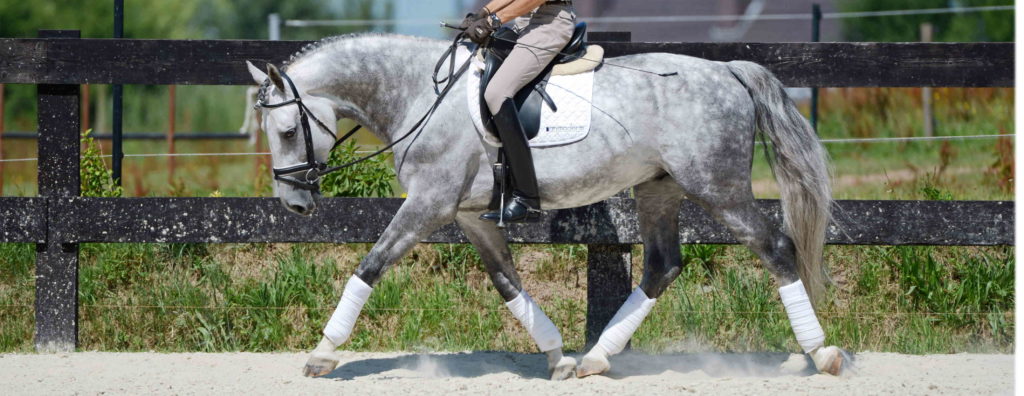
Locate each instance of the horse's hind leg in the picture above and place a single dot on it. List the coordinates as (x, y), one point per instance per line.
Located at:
(657, 203)
(497, 258)
(732, 204)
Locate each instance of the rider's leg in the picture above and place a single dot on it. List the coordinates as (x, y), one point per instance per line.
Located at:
(497, 258)
(549, 31)
(525, 201)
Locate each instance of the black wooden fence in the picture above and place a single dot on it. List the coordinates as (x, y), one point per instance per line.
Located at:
(59, 219)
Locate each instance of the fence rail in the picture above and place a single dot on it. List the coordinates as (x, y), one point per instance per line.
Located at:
(362, 220)
(59, 220)
(222, 62)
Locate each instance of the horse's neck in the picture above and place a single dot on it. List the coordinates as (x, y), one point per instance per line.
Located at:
(379, 82)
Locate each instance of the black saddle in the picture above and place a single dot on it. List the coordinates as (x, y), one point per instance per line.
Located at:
(529, 99)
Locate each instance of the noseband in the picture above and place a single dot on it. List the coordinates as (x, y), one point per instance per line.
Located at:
(312, 170)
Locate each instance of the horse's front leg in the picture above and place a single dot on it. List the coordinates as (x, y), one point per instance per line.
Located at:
(415, 220)
(497, 258)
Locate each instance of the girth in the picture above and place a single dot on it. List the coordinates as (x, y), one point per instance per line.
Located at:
(532, 96)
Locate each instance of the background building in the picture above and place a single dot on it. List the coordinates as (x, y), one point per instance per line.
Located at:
(753, 31)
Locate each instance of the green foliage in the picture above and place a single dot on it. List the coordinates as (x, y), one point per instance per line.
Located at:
(702, 255)
(370, 178)
(932, 192)
(208, 108)
(456, 260)
(232, 19)
(97, 180)
(263, 297)
(15, 261)
(965, 27)
(975, 283)
(296, 282)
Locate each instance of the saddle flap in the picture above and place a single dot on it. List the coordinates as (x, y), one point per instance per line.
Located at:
(531, 97)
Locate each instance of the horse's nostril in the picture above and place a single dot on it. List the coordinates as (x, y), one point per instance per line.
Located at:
(300, 209)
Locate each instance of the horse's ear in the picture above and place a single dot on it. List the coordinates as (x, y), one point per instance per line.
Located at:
(275, 77)
(257, 75)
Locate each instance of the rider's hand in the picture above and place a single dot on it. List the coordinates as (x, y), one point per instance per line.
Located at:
(473, 17)
(480, 30)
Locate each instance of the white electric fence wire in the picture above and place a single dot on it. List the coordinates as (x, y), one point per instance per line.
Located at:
(671, 18)
(864, 140)
(916, 138)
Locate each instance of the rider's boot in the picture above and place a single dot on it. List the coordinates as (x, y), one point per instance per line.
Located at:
(525, 202)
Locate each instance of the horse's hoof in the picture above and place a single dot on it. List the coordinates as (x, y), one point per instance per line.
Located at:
(320, 364)
(565, 369)
(830, 360)
(593, 364)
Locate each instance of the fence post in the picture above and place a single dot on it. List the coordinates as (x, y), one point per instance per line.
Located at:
(172, 98)
(57, 262)
(608, 285)
(608, 265)
(118, 141)
(1, 139)
(815, 37)
(926, 92)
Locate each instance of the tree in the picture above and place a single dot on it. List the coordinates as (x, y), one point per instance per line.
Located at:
(248, 20)
(962, 27)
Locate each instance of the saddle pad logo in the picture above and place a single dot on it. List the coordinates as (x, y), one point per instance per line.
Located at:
(572, 96)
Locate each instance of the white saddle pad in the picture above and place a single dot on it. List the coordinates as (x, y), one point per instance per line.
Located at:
(572, 96)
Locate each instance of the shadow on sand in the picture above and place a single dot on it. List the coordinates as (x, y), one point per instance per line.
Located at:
(477, 364)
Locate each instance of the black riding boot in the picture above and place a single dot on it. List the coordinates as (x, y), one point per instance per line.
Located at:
(525, 202)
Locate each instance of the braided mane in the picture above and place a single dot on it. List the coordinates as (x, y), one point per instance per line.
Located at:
(316, 47)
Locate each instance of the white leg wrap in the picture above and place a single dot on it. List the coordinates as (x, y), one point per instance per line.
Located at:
(625, 322)
(540, 327)
(801, 316)
(339, 328)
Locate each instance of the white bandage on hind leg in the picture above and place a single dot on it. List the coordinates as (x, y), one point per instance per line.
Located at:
(801, 316)
(339, 328)
(540, 327)
(625, 322)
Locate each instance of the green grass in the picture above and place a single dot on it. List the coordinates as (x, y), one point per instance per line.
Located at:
(269, 297)
(900, 299)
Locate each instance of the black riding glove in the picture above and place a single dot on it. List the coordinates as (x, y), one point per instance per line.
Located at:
(473, 17)
(480, 30)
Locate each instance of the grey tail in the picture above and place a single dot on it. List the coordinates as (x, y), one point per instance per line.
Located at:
(801, 169)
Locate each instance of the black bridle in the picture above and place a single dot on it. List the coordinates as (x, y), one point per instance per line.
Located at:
(312, 170)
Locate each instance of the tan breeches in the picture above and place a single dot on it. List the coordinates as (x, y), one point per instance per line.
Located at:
(541, 36)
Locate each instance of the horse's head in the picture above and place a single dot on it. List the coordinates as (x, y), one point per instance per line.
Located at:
(300, 128)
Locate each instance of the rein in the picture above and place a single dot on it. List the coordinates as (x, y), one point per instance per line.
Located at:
(314, 169)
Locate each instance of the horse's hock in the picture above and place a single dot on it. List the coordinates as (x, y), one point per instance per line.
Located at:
(59, 219)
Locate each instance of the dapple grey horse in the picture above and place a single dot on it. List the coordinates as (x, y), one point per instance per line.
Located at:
(688, 136)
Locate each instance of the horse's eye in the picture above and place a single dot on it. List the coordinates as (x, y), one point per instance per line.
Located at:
(289, 133)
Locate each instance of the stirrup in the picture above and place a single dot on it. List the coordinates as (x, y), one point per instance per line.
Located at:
(518, 211)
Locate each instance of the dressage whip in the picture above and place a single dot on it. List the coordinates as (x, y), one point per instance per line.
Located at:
(600, 62)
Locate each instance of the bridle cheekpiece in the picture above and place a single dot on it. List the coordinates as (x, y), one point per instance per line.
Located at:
(312, 170)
